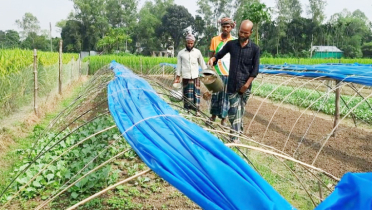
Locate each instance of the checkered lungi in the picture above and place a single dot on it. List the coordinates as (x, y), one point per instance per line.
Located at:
(220, 101)
(236, 111)
(191, 93)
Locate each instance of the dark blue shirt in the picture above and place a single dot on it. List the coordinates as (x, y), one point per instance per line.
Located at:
(244, 63)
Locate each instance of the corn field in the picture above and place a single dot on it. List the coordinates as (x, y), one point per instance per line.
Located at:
(15, 60)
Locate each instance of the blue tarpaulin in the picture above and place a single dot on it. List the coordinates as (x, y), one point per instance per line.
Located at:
(199, 164)
(354, 191)
(181, 152)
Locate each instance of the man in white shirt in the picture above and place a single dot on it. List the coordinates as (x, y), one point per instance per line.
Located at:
(188, 61)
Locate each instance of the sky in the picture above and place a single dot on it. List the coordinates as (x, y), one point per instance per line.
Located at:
(52, 11)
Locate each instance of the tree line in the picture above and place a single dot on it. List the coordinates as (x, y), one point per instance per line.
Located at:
(120, 26)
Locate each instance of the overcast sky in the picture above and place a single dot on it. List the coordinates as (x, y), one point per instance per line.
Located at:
(55, 10)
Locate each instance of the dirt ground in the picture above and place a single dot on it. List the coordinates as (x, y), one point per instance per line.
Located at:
(350, 150)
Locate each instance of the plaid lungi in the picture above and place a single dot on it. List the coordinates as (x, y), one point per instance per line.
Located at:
(236, 111)
(191, 93)
(220, 101)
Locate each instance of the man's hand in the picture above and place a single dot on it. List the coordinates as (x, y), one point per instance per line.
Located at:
(177, 80)
(211, 61)
(243, 89)
(246, 85)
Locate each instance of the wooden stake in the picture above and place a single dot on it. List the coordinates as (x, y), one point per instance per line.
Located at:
(60, 68)
(337, 106)
(35, 83)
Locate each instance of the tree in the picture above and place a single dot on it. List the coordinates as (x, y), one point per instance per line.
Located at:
(29, 24)
(348, 31)
(298, 39)
(114, 39)
(145, 35)
(316, 10)
(9, 39)
(257, 13)
(213, 10)
(92, 16)
(282, 9)
(296, 9)
(367, 50)
(72, 35)
(121, 13)
(175, 23)
(30, 28)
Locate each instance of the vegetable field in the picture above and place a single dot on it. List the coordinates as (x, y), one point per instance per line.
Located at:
(81, 152)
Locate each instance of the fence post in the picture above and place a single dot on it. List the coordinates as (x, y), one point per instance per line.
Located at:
(35, 83)
(60, 68)
(141, 65)
(337, 106)
(163, 70)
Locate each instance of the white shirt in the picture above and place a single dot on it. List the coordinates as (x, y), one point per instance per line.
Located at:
(188, 63)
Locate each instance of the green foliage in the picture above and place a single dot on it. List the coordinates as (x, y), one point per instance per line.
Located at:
(305, 97)
(367, 50)
(9, 39)
(136, 63)
(29, 24)
(257, 13)
(174, 23)
(114, 39)
(72, 165)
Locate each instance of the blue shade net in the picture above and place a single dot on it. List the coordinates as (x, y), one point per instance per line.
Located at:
(355, 73)
(181, 152)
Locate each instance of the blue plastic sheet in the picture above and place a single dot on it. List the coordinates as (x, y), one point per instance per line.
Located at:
(181, 152)
(354, 191)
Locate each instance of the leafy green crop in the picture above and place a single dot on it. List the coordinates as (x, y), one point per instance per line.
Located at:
(77, 162)
(304, 97)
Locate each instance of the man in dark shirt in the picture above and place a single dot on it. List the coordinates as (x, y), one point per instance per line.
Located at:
(244, 65)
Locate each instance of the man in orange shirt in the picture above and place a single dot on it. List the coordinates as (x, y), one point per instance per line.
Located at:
(219, 101)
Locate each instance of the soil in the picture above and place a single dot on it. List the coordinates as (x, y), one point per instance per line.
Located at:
(349, 151)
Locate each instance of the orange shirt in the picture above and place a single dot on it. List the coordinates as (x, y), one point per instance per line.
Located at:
(223, 64)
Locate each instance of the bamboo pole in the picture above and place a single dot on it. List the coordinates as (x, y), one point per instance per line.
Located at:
(285, 157)
(60, 68)
(337, 106)
(35, 83)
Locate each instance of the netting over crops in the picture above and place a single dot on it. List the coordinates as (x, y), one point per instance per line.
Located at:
(18, 87)
(287, 137)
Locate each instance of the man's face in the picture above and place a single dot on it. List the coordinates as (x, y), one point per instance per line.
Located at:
(189, 44)
(226, 29)
(244, 34)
